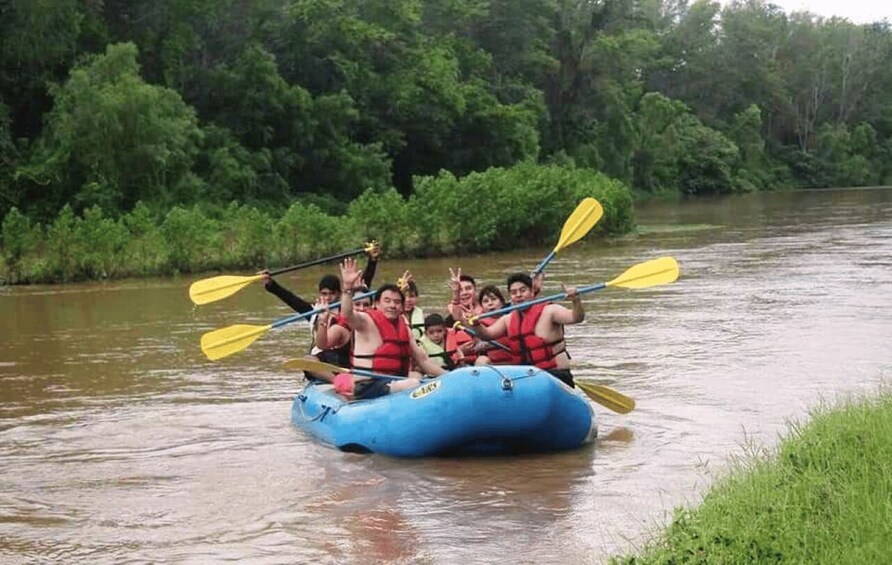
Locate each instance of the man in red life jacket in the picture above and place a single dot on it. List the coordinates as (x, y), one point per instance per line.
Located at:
(382, 341)
(536, 335)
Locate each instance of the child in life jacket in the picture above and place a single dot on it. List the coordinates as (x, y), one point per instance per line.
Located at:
(434, 341)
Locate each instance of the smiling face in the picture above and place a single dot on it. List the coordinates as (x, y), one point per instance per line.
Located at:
(519, 292)
(362, 305)
(411, 299)
(391, 303)
(466, 293)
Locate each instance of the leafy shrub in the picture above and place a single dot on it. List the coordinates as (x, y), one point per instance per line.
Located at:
(496, 209)
(146, 250)
(20, 238)
(101, 244)
(247, 234)
(191, 238)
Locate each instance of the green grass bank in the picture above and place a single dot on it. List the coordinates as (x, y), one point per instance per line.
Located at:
(824, 497)
(500, 208)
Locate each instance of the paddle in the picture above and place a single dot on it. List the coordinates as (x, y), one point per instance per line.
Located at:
(580, 222)
(322, 367)
(643, 275)
(221, 343)
(223, 286)
(607, 397)
(459, 326)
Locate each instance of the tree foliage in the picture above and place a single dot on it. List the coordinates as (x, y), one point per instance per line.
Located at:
(274, 104)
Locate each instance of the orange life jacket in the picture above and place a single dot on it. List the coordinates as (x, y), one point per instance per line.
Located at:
(497, 355)
(454, 340)
(530, 348)
(393, 355)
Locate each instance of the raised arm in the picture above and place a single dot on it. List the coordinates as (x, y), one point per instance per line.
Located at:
(323, 321)
(454, 306)
(296, 303)
(567, 316)
(349, 279)
(371, 265)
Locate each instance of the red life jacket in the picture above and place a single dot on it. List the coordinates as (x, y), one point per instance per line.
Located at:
(531, 349)
(455, 339)
(497, 355)
(342, 321)
(393, 355)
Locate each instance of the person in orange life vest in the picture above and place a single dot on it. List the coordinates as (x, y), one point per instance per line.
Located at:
(490, 299)
(382, 341)
(464, 305)
(536, 335)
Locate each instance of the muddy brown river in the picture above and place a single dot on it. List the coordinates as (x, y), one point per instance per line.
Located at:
(121, 443)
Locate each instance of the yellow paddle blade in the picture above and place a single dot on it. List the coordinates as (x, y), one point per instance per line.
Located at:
(607, 397)
(651, 273)
(580, 222)
(313, 366)
(224, 342)
(218, 288)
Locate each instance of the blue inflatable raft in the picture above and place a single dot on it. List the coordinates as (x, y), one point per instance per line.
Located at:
(487, 410)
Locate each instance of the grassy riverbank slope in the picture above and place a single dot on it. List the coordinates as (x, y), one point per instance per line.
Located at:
(825, 497)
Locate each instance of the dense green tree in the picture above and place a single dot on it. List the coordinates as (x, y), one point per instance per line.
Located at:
(112, 139)
(410, 87)
(706, 159)
(654, 160)
(38, 43)
(266, 102)
(306, 142)
(8, 161)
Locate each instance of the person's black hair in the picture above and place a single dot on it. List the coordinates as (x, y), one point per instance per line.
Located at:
(388, 286)
(330, 282)
(433, 320)
(491, 289)
(411, 286)
(468, 278)
(521, 278)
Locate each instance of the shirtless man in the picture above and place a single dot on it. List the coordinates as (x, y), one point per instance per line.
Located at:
(536, 334)
(382, 341)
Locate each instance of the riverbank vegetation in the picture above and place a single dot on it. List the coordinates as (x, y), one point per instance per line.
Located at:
(496, 209)
(113, 109)
(823, 498)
